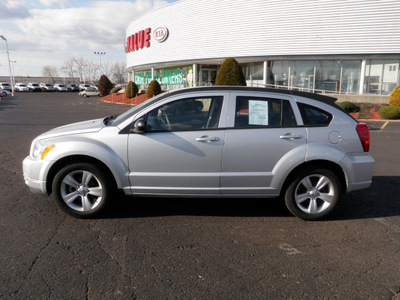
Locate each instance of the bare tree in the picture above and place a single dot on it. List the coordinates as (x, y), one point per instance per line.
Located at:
(50, 72)
(69, 66)
(105, 69)
(80, 65)
(119, 74)
(90, 71)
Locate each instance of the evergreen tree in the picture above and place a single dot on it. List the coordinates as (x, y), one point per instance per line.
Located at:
(105, 85)
(153, 89)
(230, 73)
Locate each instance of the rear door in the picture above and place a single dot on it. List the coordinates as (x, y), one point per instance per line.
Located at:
(262, 144)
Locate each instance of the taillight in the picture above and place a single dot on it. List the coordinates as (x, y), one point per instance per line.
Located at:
(363, 133)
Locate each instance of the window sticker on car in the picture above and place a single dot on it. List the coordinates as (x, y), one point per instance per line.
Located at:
(258, 112)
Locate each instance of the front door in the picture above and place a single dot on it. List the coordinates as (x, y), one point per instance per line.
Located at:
(180, 151)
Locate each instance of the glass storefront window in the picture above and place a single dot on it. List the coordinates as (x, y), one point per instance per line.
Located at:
(175, 78)
(253, 72)
(381, 76)
(350, 81)
(302, 75)
(326, 75)
(278, 73)
(169, 79)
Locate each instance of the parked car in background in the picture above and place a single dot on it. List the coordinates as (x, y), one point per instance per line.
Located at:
(4, 92)
(89, 92)
(21, 87)
(5, 86)
(34, 87)
(46, 87)
(72, 87)
(83, 86)
(60, 87)
(95, 86)
(272, 143)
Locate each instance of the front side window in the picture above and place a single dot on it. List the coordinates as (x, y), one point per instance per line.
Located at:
(314, 116)
(194, 113)
(263, 112)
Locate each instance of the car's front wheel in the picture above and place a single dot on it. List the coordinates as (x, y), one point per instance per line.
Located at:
(313, 194)
(82, 190)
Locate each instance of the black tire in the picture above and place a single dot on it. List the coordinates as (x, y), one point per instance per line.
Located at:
(83, 190)
(313, 194)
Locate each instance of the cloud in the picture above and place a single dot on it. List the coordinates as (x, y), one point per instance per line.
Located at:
(61, 3)
(52, 35)
(102, 24)
(13, 10)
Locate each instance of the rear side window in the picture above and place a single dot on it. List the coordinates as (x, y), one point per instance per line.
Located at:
(314, 116)
(263, 112)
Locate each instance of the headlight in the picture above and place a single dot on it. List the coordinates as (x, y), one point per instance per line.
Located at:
(40, 149)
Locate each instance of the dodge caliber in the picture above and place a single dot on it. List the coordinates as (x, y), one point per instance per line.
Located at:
(207, 142)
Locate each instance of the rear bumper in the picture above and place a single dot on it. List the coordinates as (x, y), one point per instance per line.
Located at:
(361, 171)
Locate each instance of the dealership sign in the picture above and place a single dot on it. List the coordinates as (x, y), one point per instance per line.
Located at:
(141, 39)
(160, 34)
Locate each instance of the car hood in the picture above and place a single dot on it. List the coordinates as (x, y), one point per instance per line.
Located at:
(75, 128)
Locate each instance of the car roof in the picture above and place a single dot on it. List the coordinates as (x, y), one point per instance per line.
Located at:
(322, 98)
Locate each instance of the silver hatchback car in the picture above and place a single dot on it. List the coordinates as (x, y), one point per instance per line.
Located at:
(207, 142)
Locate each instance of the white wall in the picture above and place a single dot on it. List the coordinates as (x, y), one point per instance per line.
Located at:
(206, 29)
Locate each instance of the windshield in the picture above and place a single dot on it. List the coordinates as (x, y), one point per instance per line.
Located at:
(136, 109)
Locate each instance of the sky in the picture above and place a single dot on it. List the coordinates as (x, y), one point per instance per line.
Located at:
(49, 32)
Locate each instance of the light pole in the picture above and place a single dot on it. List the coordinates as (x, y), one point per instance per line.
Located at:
(100, 54)
(9, 66)
(13, 62)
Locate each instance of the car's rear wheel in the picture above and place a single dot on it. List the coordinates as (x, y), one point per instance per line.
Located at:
(82, 190)
(313, 194)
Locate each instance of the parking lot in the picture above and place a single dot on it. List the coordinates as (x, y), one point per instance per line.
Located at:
(190, 248)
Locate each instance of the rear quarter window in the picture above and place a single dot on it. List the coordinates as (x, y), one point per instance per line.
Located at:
(314, 116)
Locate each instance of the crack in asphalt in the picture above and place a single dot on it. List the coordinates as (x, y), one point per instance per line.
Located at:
(38, 256)
(388, 224)
(114, 257)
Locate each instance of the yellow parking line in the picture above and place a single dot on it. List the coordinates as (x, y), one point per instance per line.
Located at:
(384, 125)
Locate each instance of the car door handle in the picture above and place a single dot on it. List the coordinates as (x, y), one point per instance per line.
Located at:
(290, 136)
(206, 138)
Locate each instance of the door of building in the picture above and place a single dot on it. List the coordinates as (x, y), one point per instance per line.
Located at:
(208, 76)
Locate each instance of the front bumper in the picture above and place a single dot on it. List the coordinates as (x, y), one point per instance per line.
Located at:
(35, 173)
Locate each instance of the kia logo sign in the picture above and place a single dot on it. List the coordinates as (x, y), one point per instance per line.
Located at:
(160, 34)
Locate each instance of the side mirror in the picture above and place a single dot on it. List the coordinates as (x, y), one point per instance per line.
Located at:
(139, 126)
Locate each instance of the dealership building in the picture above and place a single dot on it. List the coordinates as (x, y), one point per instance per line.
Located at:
(338, 46)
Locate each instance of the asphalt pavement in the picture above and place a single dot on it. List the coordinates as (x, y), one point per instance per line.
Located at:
(190, 248)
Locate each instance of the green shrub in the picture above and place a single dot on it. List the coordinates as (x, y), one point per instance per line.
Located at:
(105, 85)
(349, 107)
(131, 90)
(230, 73)
(394, 99)
(153, 89)
(390, 112)
(115, 89)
